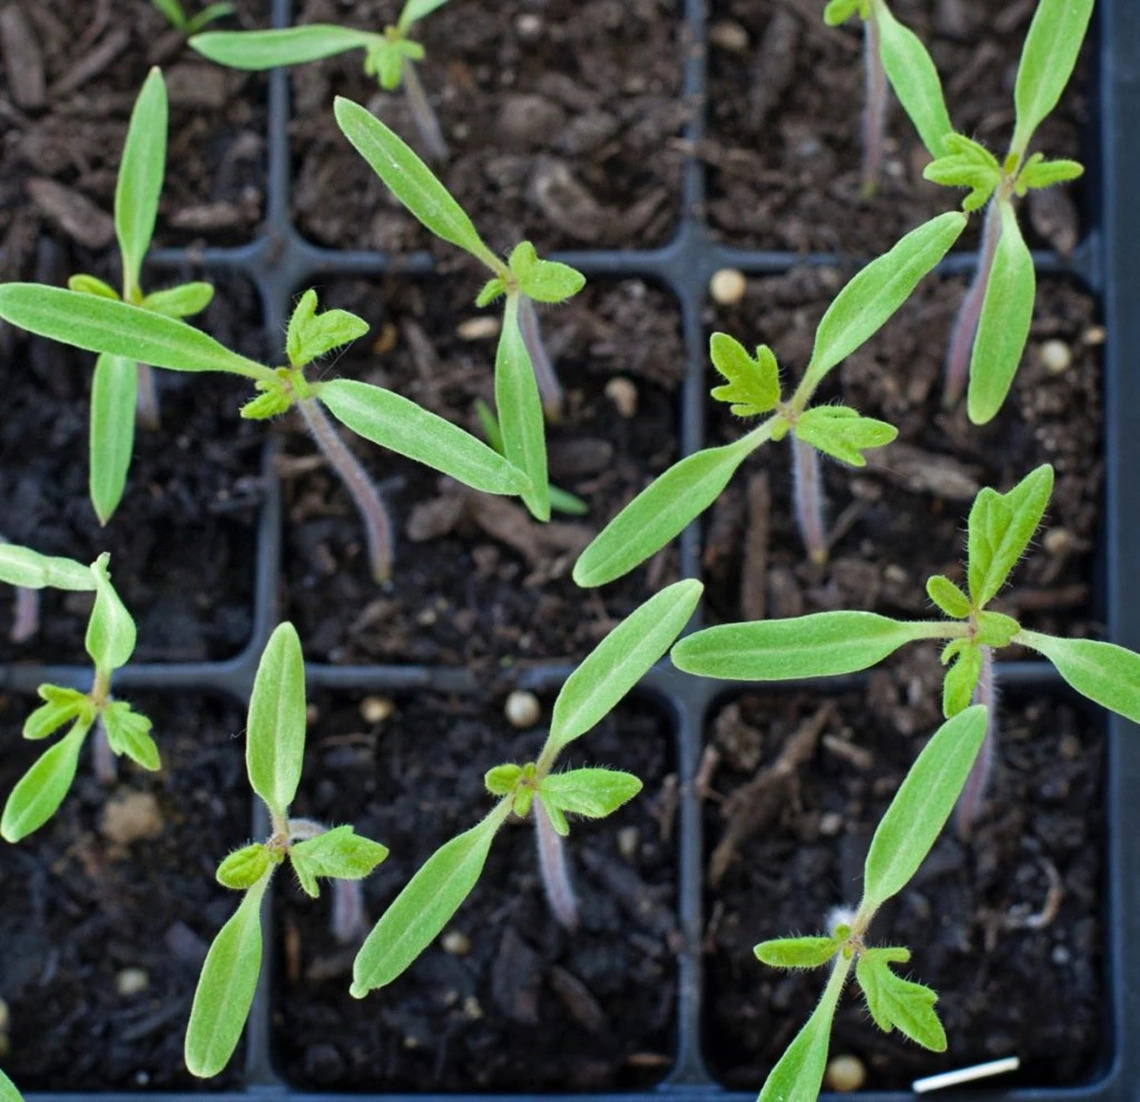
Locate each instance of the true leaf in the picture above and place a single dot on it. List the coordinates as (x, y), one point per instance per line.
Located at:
(339, 854)
(965, 163)
(425, 906)
(173, 11)
(619, 661)
(1105, 673)
(311, 334)
(921, 806)
(1003, 325)
(394, 422)
(417, 9)
(41, 790)
(948, 597)
(29, 569)
(226, 987)
(275, 744)
(1039, 173)
(543, 280)
(89, 285)
(256, 50)
(111, 442)
(244, 867)
(961, 680)
(753, 383)
(61, 706)
(899, 1004)
(839, 11)
(995, 629)
(110, 631)
(411, 181)
(823, 644)
(842, 433)
(207, 15)
(182, 301)
(128, 733)
(797, 952)
(594, 793)
(502, 779)
(914, 78)
(140, 176)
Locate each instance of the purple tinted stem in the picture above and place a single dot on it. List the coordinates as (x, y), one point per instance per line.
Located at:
(146, 404)
(549, 388)
(973, 796)
(26, 615)
(377, 525)
(875, 109)
(423, 116)
(555, 873)
(106, 768)
(808, 479)
(966, 322)
(349, 923)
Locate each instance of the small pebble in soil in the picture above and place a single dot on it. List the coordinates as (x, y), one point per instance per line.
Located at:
(1056, 356)
(844, 1073)
(729, 35)
(131, 981)
(455, 942)
(478, 329)
(522, 709)
(727, 286)
(830, 824)
(1058, 541)
(623, 394)
(529, 25)
(324, 1063)
(376, 709)
(130, 816)
(628, 842)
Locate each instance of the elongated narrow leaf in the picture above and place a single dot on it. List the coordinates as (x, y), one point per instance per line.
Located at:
(865, 304)
(424, 907)
(661, 511)
(41, 790)
(27, 568)
(275, 741)
(209, 14)
(797, 952)
(896, 1003)
(226, 987)
(961, 680)
(1003, 325)
(1047, 61)
(111, 630)
(619, 661)
(99, 324)
(1105, 673)
(172, 9)
(519, 405)
(417, 9)
(114, 392)
(914, 78)
(182, 301)
(258, 50)
(140, 176)
(948, 597)
(594, 793)
(411, 181)
(821, 645)
(927, 795)
(8, 1092)
(394, 422)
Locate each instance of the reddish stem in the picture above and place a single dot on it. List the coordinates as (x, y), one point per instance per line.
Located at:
(106, 768)
(349, 922)
(25, 615)
(146, 403)
(549, 388)
(423, 116)
(555, 873)
(972, 800)
(808, 482)
(875, 108)
(966, 322)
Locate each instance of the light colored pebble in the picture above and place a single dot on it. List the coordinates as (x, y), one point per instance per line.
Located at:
(1070, 748)
(522, 709)
(1058, 541)
(729, 35)
(727, 286)
(482, 328)
(131, 981)
(130, 817)
(628, 842)
(472, 1011)
(529, 25)
(455, 942)
(1056, 356)
(830, 824)
(623, 394)
(376, 709)
(845, 1073)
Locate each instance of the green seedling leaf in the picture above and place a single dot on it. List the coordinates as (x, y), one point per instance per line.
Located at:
(492, 289)
(385, 61)
(339, 854)
(753, 384)
(839, 11)
(662, 510)
(821, 645)
(140, 178)
(995, 629)
(41, 790)
(961, 680)
(62, 706)
(89, 285)
(594, 793)
(209, 14)
(523, 799)
(173, 11)
(265, 406)
(1107, 674)
(311, 334)
(415, 10)
(619, 662)
(244, 867)
(425, 906)
(966, 163)
(865, 304)
(1047, 61)
(999, 530)
(553, 814)
(521, 420)
(257, 50)
(896, 1003)
(114, 392)
(30, 570)
(180, 302)
(1003, 325)
(110, 631)
(411, 181)
(948, 597)
(225, 988)
(543, 280)
(275, 745)
(100, 325)
(501, 780)
(8, 1092)
(797, 952)
(921, 806)
(914, 78)
(842, 433)
(394, 422)
(1040, 173)
(129, 733)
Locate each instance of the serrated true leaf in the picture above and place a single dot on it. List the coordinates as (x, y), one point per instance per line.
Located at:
(41, 790)
(111, 631)
(543, 280)
(594, 793)
(128, 732)
(182, 301)
(60, 706)
(842, 433)
(823, 644)
(965, 163)
(385, 61)
(619, 661)
(948, 597)
(753, 384)
(921, 806)
(311, 334)
(797, 952)
(244, 867)
(960, 680)
(995, 629)
(914, 78)
(265, 406)
(1040, 173)
(111, 440)
(275, 740)
(339, 854)
(257, 50)
(29, 569)
(899, 1004)
(1105, 673)
(140, 178)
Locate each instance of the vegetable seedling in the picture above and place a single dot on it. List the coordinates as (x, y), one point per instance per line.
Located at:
(905, 835)
(524, 378)
(420, 912)
(110, 642)
(8, 1091)
(275, 753)
(192, 24)
(685, 490)
(826, 644)
(390, 57)
(115, 328)
(894, 53)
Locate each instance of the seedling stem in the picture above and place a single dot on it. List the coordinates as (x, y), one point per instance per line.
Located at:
(875, 109)
(555, 870)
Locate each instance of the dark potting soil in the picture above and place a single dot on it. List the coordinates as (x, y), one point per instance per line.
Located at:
(107, 911)
(1006, 927)
(785, 117)
(183, 540)
(69, 76)
(506, 998)
(903, 517)
(475, 578)
(562, 119)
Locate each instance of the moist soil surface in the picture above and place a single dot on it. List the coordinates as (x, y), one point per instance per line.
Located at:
(902, 518)
(563, 120)
(785, 117)
(1007, 926)
(107, 911)
(475, 578)
(506, 997)
(69, 76)
(183, 540)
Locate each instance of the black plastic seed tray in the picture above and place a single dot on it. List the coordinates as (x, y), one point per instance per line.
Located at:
(1107, 263)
